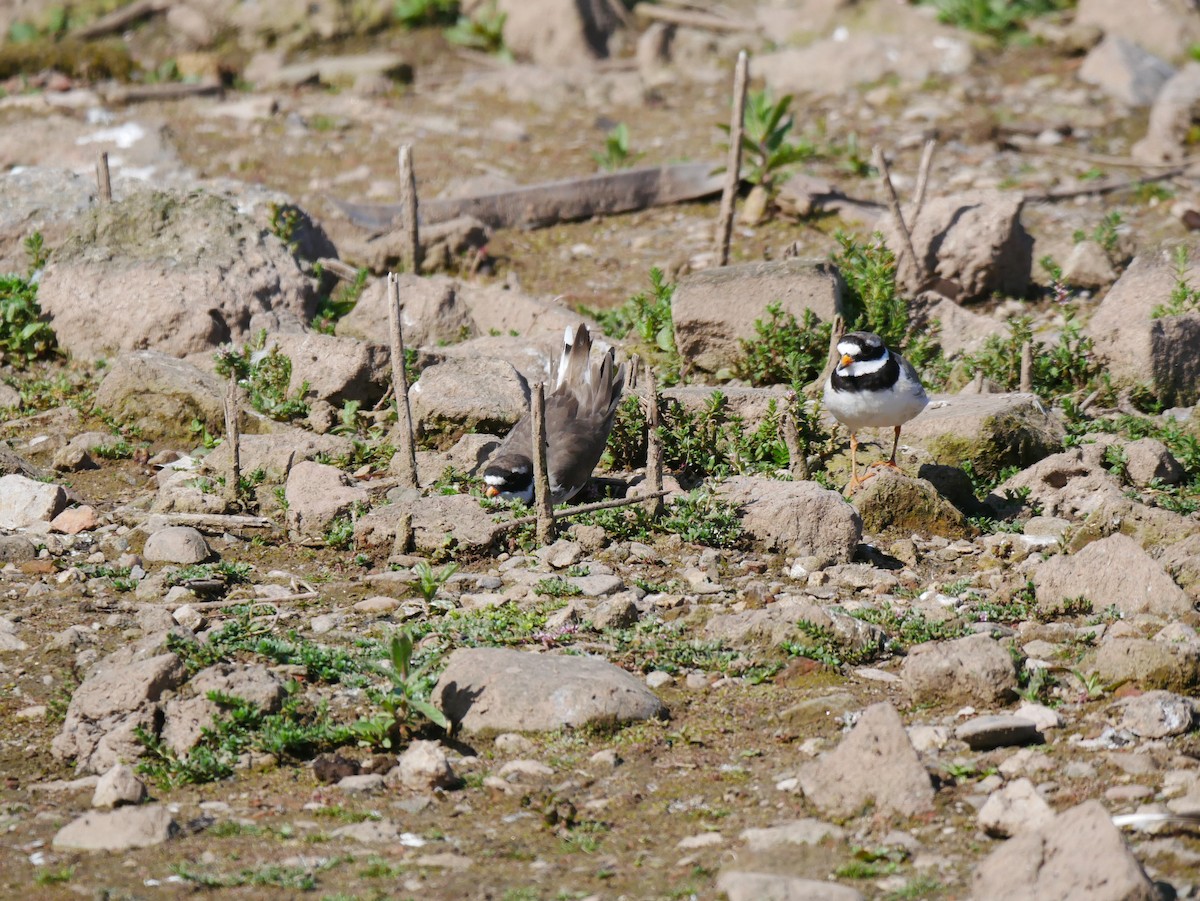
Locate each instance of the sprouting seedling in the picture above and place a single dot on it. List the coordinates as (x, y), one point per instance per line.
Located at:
(403, 698)
(430, 582)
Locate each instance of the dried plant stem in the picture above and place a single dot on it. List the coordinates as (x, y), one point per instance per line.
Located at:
(1026, 367)
(922, 180)
(654, 448)
(733, 165)
(797, 456)
(585, 508)
(885, 176)
(542, 503)
(104, 177)
(411, 242)
(233, 435)
(406, 458)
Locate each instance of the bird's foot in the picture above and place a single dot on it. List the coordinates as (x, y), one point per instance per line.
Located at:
(885, 464)
(856, 482)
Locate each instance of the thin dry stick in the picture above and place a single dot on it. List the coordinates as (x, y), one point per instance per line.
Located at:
(836, 332)
(584, 508)
(733, 164)
(894, 205)
(654, 448)
(234, 436)
(103, 177)
(407, 461)
(1026, 367)
(411, 242)
(922, 180)
(542, 504)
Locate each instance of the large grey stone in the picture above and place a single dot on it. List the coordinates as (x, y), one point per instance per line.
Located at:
(991, 431)
(502, 690)
(439, 523)
(1162, 353)
(162, 395)
(1165, 27)
(118, 830)
(25, 502)
(39, 199)
(176, 544)
(972, 244)
(741, 885)
(1171, 118)
(971, 670)
(1124, 71)
(874, 763)
(176, 273)
(799, 519)
(1017, 807)
(464, 395)
(715, 310)
(1111, 572)
(317, 494)
(1078, 856)
(98, 731)
(1170, 665)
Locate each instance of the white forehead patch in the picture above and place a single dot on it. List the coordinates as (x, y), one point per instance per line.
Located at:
(494, 480)
(847, 348)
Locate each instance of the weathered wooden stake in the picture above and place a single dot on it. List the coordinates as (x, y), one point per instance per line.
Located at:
(543, 506)
(411, 243)
(654, 448)
(406, 458)
(233, 435)
(404, 534)
(797, 455)
(733, 164)
(103, 177)
(922, 180)
(1026, 367)
(894, 205)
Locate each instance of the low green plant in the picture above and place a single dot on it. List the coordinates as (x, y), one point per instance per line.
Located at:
(54, 875)
(227, 571)
(997, 18)
(875, 305)
(555, 587)
(766, 150)
(429, 582)
(404, 700)
(296, 731)
(415, 13)
(119, 449)
(1184, 298)
(783, 350)
(24, 336)
(339, 301)
(1106, 233)
(700, 517)
(1093, 685)
(340, 533)
(1035, 684)
(1067, 368)
(645, 318)
(616, 153)
(483, 31)
(285, 222)
(266, 375)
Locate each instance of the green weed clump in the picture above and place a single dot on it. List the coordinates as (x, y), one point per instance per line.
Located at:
(1184, 298)
(266, 375)
(1001, 19)
(1064, 370)
(646, 318)
(616, 154)
(783, 350)
(24, 336)
(415, 13)
(766, 149)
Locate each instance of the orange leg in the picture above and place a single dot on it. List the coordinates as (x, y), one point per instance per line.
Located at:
(855, 481)
(891, 464)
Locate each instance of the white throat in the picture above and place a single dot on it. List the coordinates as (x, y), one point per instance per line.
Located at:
(862, 367)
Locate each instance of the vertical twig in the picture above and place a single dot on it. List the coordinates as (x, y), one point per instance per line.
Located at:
(977, 382)
(543, 505)
(654, 448)
(234, 436)
(922, 181)
(894, 205)
(407, 462)
(836, 332)
(797, 455)
(411, 243)
(733, 164)
(103, 177)
(1026, 367)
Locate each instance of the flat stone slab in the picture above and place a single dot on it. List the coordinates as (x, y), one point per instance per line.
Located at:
(991, 430)
(504, 690)
(986, 732)
(126, 827)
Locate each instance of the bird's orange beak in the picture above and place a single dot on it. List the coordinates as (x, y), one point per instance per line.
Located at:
(491, 491)
(847, 359)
